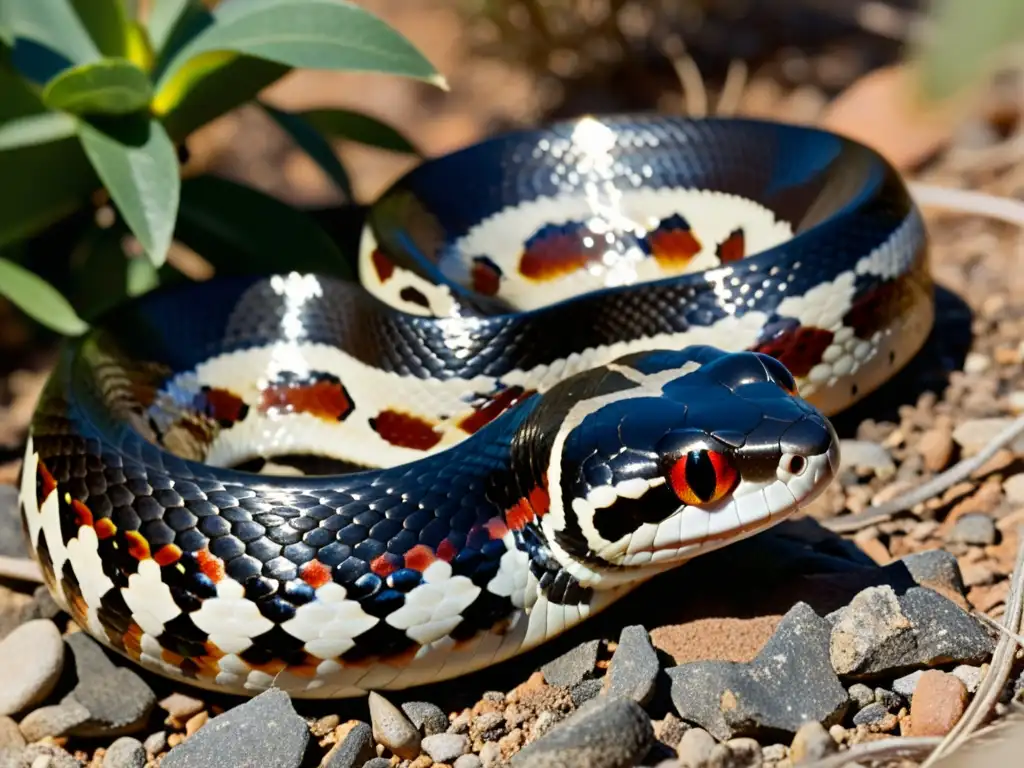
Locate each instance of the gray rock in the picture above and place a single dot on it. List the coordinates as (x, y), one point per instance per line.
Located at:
(126, 752)
(55, 757)
(377, 762)
(56, 720)
(866, 454)
(871, 714)
(31, 660)
(891, 700)
(695, 748)
(905, 685)
(812, 742)
(583, 692)
(12, 538)
(155, 743)
(634, 666)
(572, 667)
(604, 733)
(355, 749)
(736, 753)
(118, 700)
(969, 675)
(490, 726)
(445, 747)
(974, 528)
(43, 604)
(10, 735)
(264, 732)
(933, 568)
(880, 634)
(790, 682)
(861, 695)
(428, 718)
(468, 761)
(393, 729)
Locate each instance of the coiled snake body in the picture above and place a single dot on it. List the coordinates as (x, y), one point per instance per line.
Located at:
(571, 364)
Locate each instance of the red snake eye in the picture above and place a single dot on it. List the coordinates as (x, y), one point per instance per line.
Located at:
(702, 477)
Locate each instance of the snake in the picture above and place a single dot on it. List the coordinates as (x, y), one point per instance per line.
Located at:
(575, 356)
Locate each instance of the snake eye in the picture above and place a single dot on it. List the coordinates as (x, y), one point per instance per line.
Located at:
(702, 477)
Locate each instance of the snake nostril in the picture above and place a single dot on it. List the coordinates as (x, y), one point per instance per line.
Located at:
(796, 465)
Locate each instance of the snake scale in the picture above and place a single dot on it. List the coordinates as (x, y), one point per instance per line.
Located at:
(570, 363)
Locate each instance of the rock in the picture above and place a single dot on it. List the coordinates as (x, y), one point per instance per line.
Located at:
(634, 666)
(1013, 487)
(695, 748)
(811, 742)
(604, 733)
(970, 676)
(736, 753)
(155, 743)
(48, 755)
(428, 718)
(445, 747)
(264, 731)
(973, 528)
(934, 568)
(572, 667)
(377, 762)
(182, 707)
(118, 700)
(12, 540)
(790, 682)
(938, 704)
(583, 692)
(468, 761)
(490, 755)
(905, 685)
(489, 726)
(774, 753)
(355, 749)
(879, 633)
(876, 717)
(31, 660)
(125, 752)
(10, 734)
(936, 448)
(974, 434)
(860, 695)
(891, 700)
(393, 729)
(867, 455)
(56, 720)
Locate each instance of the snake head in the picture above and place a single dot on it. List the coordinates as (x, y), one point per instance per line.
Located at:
(691, 450)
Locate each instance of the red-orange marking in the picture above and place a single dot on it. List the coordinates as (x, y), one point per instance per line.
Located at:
(105, 528)
(168, 554)
(382, 265)
(82, 514)
(49, 485)
(799, 349)
(496, 528)
(224, 406)
(494, 407)
(405, 430)
(138, 547)
(559, 250)
(315, 573)
(540, 500)
(384, 565)
(445, 551)
(519, 515)
(733, 248)
(875, 310)
(486, 277)
(211, 566)
(327, 400)
(674, 247)
(419, 557)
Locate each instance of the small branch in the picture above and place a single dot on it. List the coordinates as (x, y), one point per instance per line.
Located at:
(883, 749)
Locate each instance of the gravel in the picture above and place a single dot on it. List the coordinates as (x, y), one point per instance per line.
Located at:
(31, 661)
(428, 718)
(573, 667)
(634, 666)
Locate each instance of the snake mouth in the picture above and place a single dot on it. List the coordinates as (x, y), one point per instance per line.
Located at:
(750, 509)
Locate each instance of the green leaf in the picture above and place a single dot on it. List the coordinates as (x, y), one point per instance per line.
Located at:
(241, 230)
(169, 18)
(967, 41)
(43, 182)
(106, 22)
(53, 24)
(355, 126)
(210, 85)
(108, 86)
(38, 299)
(6, 25)
(314, 145)
(138, 164)
(142, 277)
(316, 34)
(36, 129)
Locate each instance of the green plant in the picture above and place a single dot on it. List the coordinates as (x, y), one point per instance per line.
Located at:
(98, 97)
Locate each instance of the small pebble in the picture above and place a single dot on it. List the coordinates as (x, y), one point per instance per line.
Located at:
(974, 434)
(55, 720)
(47, 756)
(891, 700)
(377, 762)
(1013, 487)
(10, 735)
(976, 529)
(125, 752)
(445, 747)
(428, 718)
(976, 362)
(970, 676)
(572, 667)
(860, 695)
(811, 742)
(938, 704)
(936, 448)
(324, 725)
(468, 761)
(355, 749)
(866, 454)
(773, 753)
(905, 685)
(490, 755)
(695, 748)
(634, 666)
(583, 692)
(736, 753)
(31, 660)
(876, 717)
(489, 726)
(181, 707)
(393, 729)
(155, 743)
